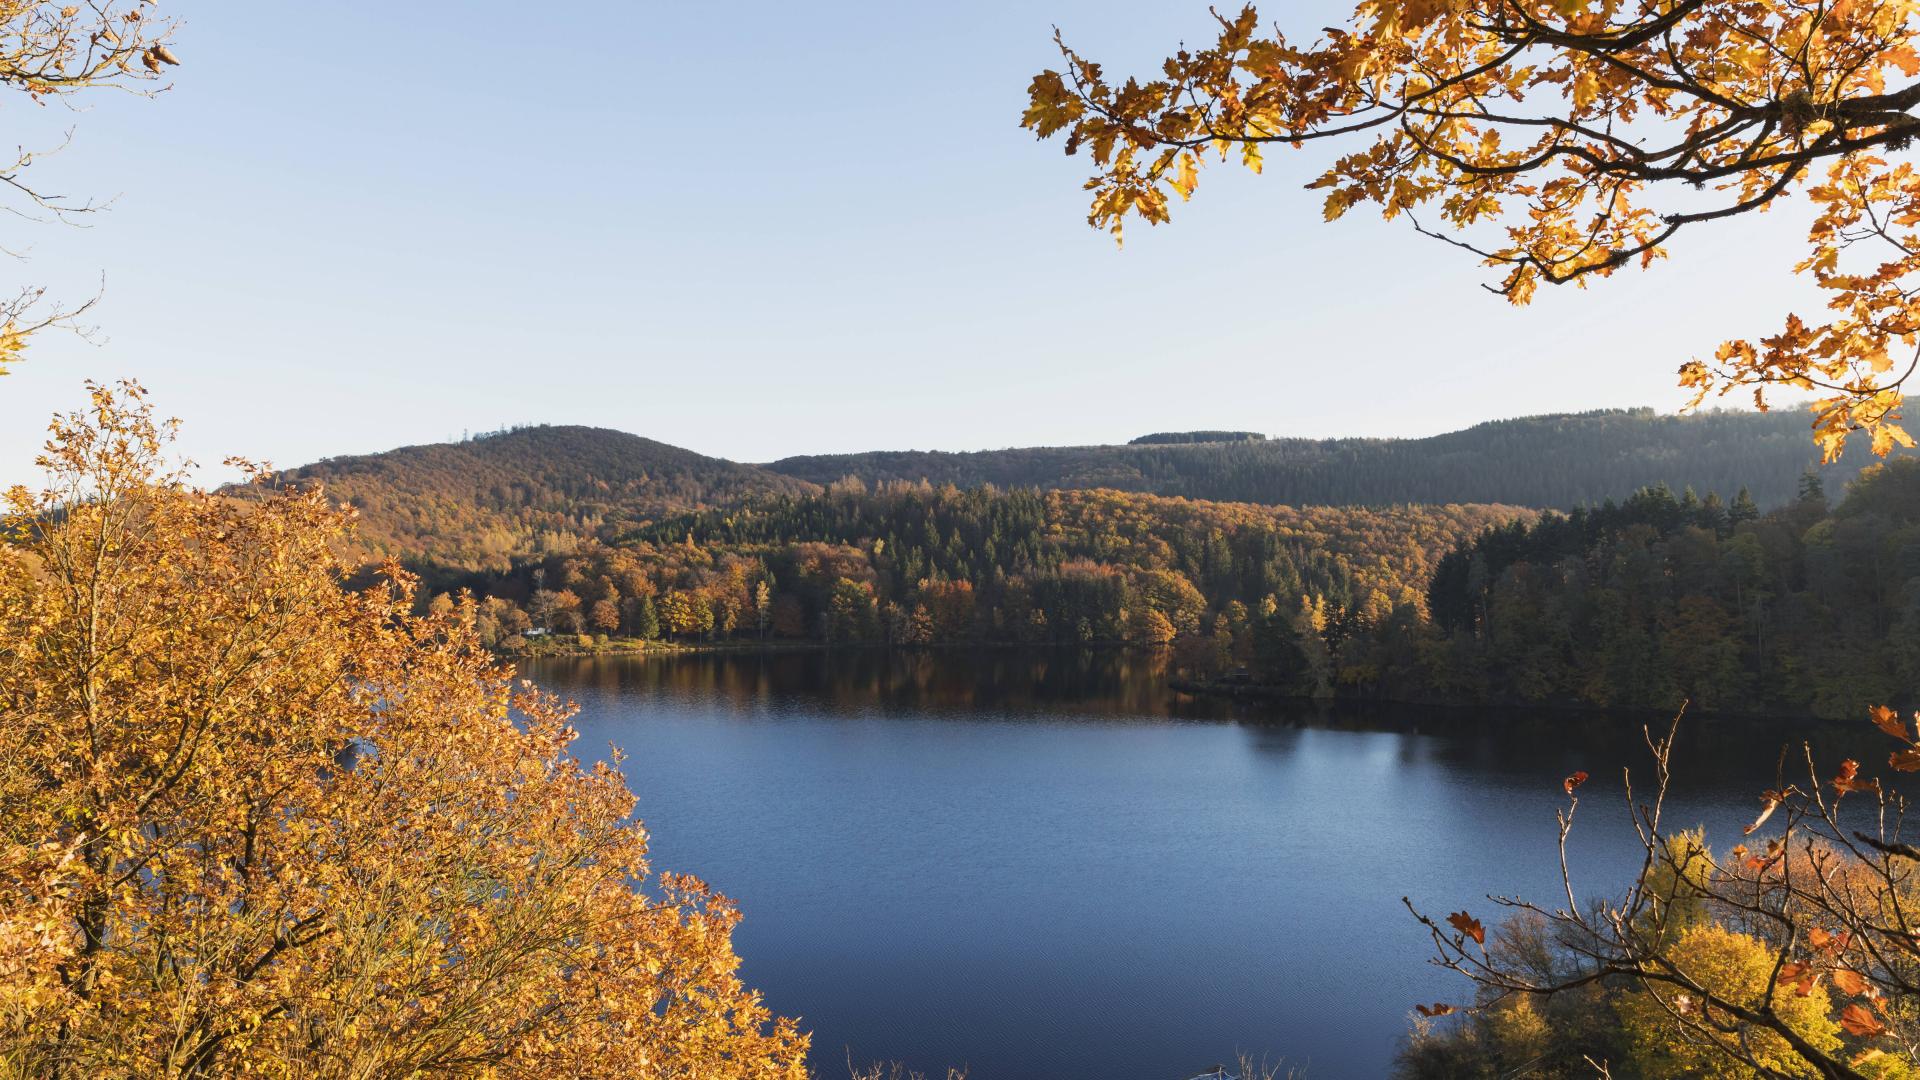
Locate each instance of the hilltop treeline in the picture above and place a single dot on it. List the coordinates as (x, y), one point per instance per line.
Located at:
(1562, 462)
(1175, 438)
(915, 564)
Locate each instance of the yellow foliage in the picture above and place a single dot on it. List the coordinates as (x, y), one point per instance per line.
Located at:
(254, 824)
(1705, 1042)
(1520, 1034)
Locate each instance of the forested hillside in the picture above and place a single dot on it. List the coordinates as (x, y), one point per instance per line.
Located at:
(1807, 608)
(1765, 600)
(913, 564)
(474, 503)
(1560, 461)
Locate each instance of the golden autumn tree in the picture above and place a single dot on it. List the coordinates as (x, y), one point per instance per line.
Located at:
(48, 51)
(255, 824)
(1560, 140)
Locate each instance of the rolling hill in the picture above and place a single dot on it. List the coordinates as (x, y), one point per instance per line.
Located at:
(477, 502)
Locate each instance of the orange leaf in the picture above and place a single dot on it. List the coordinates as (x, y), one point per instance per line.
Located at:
(1849, 981)
(1861, 1023)
(1574, 781)
(1438, 1008)
(1888, 721)
(1905, 760)
(1469, 926)
(1799, 976)
(1846, 781)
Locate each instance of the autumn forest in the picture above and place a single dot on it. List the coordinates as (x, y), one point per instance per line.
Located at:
(1653, 594)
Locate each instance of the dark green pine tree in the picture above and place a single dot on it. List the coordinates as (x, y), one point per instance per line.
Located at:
(1743, 509)
(1813, 493)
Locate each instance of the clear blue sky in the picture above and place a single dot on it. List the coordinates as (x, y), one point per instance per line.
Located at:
(761, 229)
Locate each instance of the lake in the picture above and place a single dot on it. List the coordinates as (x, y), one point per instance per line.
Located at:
(1049, 865)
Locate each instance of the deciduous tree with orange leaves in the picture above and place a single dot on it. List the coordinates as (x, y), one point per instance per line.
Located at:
(1560, 140)
(255, 824)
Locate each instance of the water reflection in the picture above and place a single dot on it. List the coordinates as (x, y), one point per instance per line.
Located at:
(1046, 864)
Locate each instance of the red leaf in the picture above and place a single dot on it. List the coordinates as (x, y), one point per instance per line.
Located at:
(1438, 1008)
(1575, 781)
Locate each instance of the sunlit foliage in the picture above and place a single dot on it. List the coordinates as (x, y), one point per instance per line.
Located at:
(254, 824)
(1560, 140)
(911, 564)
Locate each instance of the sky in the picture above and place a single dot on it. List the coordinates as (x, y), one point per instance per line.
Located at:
(758, 230)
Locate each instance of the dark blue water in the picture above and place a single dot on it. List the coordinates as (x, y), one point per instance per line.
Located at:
(1048, 865)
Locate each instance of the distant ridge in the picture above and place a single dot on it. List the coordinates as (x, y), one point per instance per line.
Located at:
(1555, 461)
(478, 501)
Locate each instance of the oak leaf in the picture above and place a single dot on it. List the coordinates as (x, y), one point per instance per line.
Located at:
(1861, 1023)
(1469, 926)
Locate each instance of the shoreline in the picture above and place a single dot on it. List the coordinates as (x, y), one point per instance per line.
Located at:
(1217, 689)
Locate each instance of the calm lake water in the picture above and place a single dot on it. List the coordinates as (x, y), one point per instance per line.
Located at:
(1048, 865)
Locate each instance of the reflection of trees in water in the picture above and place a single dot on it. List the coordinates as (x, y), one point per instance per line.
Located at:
(1104, 683)
(1716, 757)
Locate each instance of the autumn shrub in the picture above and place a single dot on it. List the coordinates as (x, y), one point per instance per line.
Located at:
(255, 824)
(1674, 1033)
(1790, 954)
